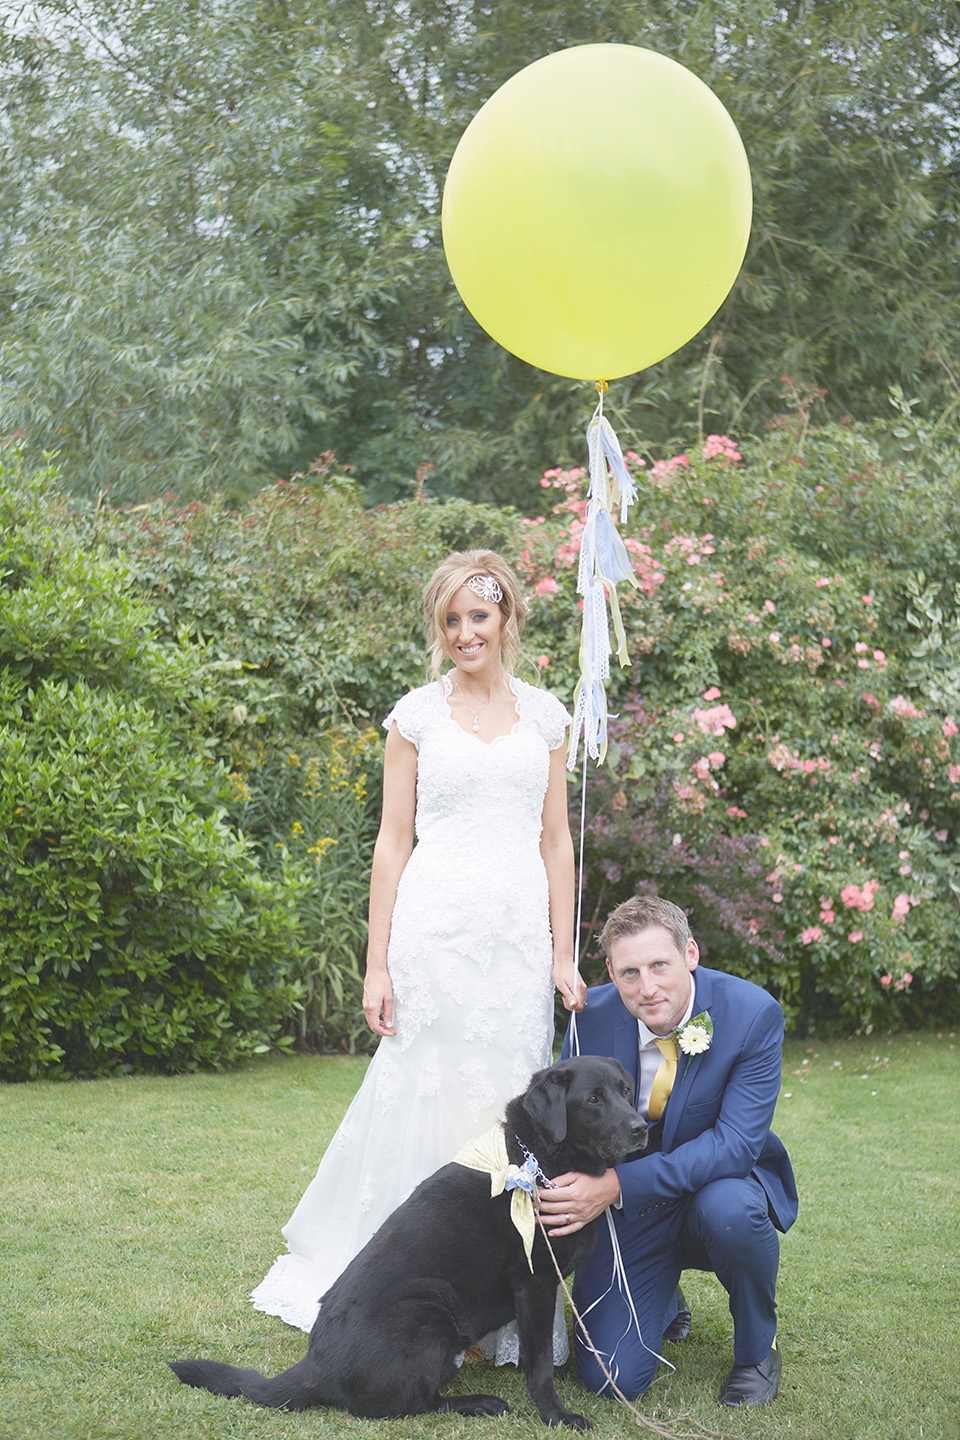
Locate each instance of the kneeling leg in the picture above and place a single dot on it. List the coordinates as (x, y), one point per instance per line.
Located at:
(728, 1231)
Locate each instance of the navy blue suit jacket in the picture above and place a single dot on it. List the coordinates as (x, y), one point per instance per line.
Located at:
(716, 1123)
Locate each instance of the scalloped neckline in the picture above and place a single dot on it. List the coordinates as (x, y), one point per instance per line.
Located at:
(446, 684)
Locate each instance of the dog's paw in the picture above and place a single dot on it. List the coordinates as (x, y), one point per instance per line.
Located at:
(572, 1420)
(475, 1405)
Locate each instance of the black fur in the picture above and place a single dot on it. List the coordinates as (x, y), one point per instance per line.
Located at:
(448, 1267)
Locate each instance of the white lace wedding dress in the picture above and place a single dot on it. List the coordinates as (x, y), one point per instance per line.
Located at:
(470, 957)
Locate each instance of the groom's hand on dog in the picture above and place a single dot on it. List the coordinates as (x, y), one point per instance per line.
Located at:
(573, 1200)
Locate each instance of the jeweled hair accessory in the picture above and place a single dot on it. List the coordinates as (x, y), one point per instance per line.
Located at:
(486, 587)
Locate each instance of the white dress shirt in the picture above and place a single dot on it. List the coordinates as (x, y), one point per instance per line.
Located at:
(651, 1058)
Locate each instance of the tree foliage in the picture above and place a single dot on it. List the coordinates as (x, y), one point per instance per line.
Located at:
(190, 207)
(222, 255)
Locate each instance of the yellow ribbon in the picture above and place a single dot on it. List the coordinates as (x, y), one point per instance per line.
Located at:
(489, 1153)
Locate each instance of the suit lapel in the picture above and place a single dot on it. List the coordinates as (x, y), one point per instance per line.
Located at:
(626, 1046)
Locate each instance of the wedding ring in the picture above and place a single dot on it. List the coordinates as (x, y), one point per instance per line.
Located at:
(566, 1218)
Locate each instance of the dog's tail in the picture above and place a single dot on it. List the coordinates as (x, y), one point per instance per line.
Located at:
(295, 1389)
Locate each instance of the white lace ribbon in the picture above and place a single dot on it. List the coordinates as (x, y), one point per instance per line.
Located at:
(604, 563)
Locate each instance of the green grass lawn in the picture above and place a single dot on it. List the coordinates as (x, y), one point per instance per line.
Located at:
(137, 1215)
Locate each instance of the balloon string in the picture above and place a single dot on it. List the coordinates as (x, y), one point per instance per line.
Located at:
(574, 1037)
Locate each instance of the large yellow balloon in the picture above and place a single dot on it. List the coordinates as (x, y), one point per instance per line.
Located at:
(596, 210)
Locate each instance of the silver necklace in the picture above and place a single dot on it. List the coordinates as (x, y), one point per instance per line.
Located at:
(476, 713)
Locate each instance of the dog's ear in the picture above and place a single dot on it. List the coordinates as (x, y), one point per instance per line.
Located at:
(546, 1103)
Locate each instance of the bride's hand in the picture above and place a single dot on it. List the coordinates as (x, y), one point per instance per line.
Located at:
(378, 1003)
(569, 982)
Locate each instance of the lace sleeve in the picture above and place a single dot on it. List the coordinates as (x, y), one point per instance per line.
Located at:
(547, 714)
(412, 713)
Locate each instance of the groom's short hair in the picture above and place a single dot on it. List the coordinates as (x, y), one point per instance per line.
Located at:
(639, 913)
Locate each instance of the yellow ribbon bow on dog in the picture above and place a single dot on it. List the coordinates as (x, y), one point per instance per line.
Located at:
(489, 1153)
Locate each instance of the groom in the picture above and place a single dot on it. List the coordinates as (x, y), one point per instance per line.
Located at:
(714, 1184)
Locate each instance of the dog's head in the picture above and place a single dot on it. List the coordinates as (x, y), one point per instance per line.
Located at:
(585, 1107)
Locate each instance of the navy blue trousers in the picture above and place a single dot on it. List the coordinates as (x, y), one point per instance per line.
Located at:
(726, 1229)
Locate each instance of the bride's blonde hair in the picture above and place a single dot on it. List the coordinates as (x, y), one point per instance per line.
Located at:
(451, 576)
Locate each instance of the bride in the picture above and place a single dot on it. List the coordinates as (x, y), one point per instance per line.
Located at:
(470, 928)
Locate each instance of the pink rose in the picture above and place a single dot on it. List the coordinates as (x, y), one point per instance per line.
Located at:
(715, 720)
(856, 899)
(901, 906)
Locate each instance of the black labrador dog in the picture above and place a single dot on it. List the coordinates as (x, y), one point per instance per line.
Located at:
(448, 1267)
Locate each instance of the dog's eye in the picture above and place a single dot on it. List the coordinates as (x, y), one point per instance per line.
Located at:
(593, 1099)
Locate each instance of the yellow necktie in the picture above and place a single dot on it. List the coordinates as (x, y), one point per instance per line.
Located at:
(664, 1078)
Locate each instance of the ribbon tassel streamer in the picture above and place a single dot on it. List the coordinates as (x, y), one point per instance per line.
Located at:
(604, 563)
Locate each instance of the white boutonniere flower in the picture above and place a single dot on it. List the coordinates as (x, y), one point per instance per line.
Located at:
(694, 1037)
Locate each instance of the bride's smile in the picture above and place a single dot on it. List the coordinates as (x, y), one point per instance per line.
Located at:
(472, 632)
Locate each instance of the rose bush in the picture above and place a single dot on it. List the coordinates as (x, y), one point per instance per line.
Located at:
(783, 760)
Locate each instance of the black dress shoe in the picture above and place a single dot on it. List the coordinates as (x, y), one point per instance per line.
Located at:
(682, 1323)
(753, 1384)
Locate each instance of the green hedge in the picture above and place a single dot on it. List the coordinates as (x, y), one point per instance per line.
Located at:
(784, 758)
(138, 931)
